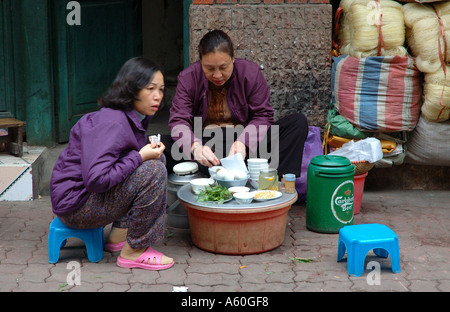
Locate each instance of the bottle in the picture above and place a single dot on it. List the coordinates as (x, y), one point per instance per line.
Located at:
(268, 179)
(289, 183)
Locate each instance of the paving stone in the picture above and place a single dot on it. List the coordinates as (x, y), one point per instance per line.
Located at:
(26, 286)
(444, 285)
(113, 287)
(36, 273)
(422, 230)
(9, 281)
(205, 268)
(212, 279)
(423, 286)
(306, 286)
(336, 286)
(254, 273)
(268, 287)
(174, 276)
(386, 285)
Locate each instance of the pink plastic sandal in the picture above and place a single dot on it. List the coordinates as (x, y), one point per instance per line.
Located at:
(112, 247)
(145, 261)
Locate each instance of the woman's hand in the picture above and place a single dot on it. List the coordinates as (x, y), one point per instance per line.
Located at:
(152, 151)
(238, 147)
(204, 155)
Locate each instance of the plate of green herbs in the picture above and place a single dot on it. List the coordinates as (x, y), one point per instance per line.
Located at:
(215, 194)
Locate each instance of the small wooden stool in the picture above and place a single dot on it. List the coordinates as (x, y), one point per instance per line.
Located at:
(14, 140)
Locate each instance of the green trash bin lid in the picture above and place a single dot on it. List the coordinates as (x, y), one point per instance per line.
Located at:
(331, 161)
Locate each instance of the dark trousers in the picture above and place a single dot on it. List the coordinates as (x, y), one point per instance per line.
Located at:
(282, 145)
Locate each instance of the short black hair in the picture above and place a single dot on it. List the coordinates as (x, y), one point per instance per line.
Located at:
(134, 76)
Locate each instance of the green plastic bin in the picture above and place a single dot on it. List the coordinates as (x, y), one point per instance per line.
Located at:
(329, 193)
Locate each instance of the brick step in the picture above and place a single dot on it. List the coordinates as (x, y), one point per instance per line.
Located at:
(19, 178)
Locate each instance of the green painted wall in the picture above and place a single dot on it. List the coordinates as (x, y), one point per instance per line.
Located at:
(34, 76)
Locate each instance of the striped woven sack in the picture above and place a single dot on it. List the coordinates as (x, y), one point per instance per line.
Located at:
(379, 94)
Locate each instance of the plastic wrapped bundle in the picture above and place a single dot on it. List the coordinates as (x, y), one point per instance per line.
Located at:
(429, 144)
(424, 34)
(421, 1)
(359, 32)
(377, 94)
(436, 94)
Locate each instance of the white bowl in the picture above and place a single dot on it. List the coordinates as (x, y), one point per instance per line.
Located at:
(250, 169)
(254, 183)
(213, 170)
(231, 183)
(257, 168)
(257, 161)
(198, 185)
(239, 189)
(244, 197)
(257, 165)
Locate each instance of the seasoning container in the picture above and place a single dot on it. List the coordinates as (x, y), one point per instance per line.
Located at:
(289, 183)
(268, 179)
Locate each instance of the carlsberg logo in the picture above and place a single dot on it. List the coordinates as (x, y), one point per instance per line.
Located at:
(345, 202)
(342, 202)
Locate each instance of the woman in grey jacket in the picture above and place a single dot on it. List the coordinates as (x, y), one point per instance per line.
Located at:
(229, 97)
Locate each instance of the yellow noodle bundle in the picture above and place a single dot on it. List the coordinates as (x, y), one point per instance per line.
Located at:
(359, 31)
(436, 87)
(423, 34)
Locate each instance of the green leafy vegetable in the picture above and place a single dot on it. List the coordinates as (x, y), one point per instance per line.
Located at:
(302, 260)
(217, 194)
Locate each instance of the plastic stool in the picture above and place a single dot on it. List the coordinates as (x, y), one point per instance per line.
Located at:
(58, 234)
(360, 239)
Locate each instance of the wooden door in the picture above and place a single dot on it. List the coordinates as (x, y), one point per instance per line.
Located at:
(7, 108)
(88, 56)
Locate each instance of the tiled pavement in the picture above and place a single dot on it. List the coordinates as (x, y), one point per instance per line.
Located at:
(421, 220)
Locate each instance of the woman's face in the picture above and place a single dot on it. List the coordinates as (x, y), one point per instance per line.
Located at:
(151, 96)
(218, 67)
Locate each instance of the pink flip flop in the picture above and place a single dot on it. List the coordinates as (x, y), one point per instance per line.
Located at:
(145, 261)
(112, 247)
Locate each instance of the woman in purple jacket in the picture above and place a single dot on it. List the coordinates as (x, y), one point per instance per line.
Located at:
(229, 98)
(109, 173)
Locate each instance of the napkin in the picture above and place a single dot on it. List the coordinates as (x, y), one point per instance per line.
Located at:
(234, 162)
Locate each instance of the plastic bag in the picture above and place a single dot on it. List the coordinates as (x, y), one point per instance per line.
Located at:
(364, 150)
(313, 148)
(429, 144)
(342, 127)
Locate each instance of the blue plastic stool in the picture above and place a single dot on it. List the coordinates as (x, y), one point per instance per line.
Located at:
(360, 239)
(58, 234)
